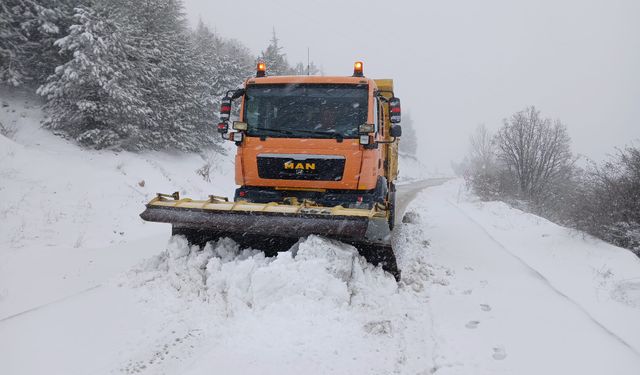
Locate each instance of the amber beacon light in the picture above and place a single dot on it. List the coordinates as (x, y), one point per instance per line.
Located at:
(358, 69)
(261, 69)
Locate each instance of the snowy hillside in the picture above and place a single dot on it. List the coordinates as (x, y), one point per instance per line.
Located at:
(86, 287)
(63, 209)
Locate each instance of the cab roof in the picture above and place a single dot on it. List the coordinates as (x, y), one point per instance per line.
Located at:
(310, 79)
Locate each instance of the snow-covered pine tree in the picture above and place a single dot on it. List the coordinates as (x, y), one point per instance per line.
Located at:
(224, 65)
(207, 71)
(93, 98)
(28, 30)
(303, 70)
(276, 61)
(167, 75)
(12, 40)
(137, 78)
(237, 63)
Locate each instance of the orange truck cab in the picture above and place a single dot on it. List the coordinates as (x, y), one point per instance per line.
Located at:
(332, 141)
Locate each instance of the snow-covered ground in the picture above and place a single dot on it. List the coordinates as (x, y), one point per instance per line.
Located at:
(412, 169)
(86, 287)
(72, 215)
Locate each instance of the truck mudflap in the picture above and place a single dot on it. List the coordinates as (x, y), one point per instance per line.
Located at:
(275, 226)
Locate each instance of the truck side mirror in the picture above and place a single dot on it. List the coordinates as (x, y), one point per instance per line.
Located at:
(394, 110)
(396, 130)
(225, 109)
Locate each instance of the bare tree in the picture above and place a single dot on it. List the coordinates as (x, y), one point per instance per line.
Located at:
(481, 170)
(536, 151)
(482, 147)
(615, 200)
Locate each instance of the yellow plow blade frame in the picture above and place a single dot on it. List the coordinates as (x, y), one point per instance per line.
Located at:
(217, 215)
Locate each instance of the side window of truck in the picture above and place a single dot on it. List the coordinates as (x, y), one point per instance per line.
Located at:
(376, 114)
(380, 124)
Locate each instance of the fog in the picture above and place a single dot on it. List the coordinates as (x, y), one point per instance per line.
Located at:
(457, 64)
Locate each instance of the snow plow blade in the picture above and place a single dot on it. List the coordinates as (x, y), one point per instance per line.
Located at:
(273, 227)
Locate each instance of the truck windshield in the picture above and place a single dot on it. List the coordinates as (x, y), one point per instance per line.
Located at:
(305, 110)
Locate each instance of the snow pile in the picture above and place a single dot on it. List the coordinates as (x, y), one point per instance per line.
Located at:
(317, 308)
(315, 269)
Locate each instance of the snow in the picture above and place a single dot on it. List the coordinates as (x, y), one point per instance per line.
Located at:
(514, 285)
(485, 289)
(60, 202)
(411, 169)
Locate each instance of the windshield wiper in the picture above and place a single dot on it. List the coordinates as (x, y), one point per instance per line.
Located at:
(294, 132)
(332, 134)
(281, 131)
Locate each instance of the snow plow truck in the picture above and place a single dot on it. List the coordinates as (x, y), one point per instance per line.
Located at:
(315, 155)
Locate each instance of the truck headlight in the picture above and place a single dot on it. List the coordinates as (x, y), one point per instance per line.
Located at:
(239, 125)
(366, 128)
(364, 139)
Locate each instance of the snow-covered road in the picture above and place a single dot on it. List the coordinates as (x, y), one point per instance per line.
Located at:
(486, 289)
(493, 312)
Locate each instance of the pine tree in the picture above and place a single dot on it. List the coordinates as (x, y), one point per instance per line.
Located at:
(276, 61)
(167, 75)
(93, 98)
(11, 41)
(136, 77)
(28, 30)
(237, 63)
(226, 65)
(303, 70)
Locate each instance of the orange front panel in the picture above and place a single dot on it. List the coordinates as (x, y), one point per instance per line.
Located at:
(361, 168)
(239, 174)
(369, 173)
(349, 149)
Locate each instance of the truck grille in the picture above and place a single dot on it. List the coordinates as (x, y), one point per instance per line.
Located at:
(301, 167)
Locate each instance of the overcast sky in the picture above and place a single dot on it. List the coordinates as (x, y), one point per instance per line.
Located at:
(457, 64)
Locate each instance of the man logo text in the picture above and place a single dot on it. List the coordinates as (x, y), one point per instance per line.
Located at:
(300, 166)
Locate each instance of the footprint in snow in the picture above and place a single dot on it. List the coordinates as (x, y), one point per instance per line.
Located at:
(485, 307)
(472, 324)
(382, 327)
(499, 353)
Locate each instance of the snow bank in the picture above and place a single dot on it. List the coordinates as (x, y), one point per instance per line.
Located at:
(317, 308)
(315, 269)
(72, 215)
(602, 279)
